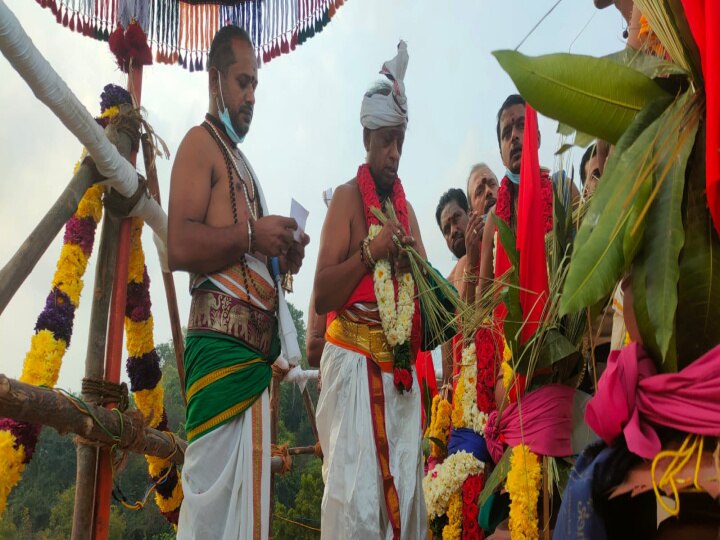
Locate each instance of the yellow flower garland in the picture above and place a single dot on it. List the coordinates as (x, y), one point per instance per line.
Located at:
(11, 464)
(523, 486)
(139, 341)
(439, 424)
(466, 413)
(453, 530)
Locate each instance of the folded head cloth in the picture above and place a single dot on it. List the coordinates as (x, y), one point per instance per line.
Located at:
(380, 111)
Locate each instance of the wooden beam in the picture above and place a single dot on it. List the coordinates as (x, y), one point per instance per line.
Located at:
(39, 405)
(17, 269)
(95, 370)
(168, 281)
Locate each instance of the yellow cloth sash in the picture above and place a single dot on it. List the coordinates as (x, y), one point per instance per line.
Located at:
(368, 340)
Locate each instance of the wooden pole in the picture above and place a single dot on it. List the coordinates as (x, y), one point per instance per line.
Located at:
(113, 358)
(94, 369)
(39, 405)
(274, 418)
(310, 408)
(168, 281)
(28, 254)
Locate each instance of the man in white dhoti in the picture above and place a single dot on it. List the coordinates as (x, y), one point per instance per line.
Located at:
(220, 232)
(368, 414)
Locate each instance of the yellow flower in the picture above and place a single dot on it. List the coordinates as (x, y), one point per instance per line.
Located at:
(440, 424)
(507, 352)
(150, 403)
(11, 465)
(523, 486)
(91, 203)
(446, 479)
(136, 260)
(453, 530)
(42, 362)
(508, 374)
(458, 413)
(70, 269)
(139, 338)
(173, 502)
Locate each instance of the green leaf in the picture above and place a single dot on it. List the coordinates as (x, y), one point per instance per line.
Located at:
(583, 140)
(439, 444)
(650, 66)
(564, 148)
(665, 235)
(496, 478)
(511, 294)
(639, 303)
(594, 95)
(564, 129)
(598, 259)
(635, 230)
(555, 347)
(698, 314)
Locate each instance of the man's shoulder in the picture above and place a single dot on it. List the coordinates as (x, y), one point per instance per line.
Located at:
(348, 190)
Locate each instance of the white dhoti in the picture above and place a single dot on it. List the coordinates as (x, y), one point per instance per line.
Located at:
(226, 480)
(353, 505)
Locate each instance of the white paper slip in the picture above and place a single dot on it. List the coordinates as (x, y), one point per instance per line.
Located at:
(300, 214)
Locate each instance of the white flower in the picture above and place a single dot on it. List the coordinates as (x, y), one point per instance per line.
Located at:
(447, 478)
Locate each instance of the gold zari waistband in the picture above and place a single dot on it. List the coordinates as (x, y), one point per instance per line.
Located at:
(362, 338)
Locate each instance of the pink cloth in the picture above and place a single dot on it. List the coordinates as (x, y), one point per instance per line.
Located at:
(543, 421)
(632, 399)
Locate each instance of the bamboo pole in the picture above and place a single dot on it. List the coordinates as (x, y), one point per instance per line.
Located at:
(310, 408)
(39, 405)
(274, 418)
(168, 281)
(113, 361)
(17, 269)
(94, 369)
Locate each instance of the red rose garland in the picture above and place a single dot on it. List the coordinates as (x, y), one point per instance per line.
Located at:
(471, 489)
(503, 206)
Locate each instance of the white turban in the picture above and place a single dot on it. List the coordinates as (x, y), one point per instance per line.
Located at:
(380, 111)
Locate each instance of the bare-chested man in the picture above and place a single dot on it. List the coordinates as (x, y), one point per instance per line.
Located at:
(220, 232)
(368, 421)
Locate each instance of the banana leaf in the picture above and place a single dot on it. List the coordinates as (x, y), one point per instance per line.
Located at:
(665, 235)
(598, 258)
(698, 314)
(597, 96)
(496, 478)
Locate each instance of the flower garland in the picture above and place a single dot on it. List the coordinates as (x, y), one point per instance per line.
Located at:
(446, 479)
(467, 414)
(397, 318)
(439, 428)
(143, 369)
(503, 206)
(53, 331)
(453, 530)
(523, 486)
(470, 492)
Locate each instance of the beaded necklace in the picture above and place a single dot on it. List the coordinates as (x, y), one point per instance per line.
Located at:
(252, 204)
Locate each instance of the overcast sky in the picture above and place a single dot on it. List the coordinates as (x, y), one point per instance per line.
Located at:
(306, 135)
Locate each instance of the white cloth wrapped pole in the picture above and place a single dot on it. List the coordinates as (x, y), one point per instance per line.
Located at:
(49, 88)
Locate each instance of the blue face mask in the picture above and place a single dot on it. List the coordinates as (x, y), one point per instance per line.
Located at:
(514, 178)
(225, 119)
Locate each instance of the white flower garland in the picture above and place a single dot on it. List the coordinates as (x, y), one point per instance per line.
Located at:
(396, 319)
(447, 478)
(472, 416)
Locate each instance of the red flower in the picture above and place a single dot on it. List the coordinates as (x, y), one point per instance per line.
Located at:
(517, 388)
(406, 378)
(396, 377)
(368, 192)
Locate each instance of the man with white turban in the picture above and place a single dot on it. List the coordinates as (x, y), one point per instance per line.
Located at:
(368, 414)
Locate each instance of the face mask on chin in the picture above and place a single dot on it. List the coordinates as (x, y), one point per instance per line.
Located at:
(225, 119)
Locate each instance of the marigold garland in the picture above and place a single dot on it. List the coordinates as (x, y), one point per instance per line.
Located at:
(523, 486)
(439, 428)
(453, 530)
(143, 368)
(53, 332)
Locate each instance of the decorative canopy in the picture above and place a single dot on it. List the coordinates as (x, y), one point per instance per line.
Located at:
(180, 31)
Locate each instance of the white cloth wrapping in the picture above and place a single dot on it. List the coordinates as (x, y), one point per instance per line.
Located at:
(49, 88)
(218, 481)
(378, 111)
(353, 505)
